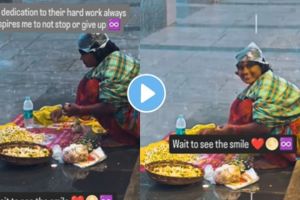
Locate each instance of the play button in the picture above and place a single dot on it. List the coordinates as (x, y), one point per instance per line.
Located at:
(146, 93)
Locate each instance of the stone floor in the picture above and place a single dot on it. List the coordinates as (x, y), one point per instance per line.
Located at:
(46, 66)
(33, 64)
(272, 185)
(195, 57)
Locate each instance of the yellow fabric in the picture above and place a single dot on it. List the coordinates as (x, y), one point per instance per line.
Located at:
(43, 117)
(94, 124)
(199, 127)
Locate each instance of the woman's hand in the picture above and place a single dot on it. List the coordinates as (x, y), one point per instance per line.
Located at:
(71, 109)
(98, 109)
(56, 115)
(220, 130)
(248, 129)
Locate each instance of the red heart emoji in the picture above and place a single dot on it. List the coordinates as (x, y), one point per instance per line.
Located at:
(77, 197)
(257, 143)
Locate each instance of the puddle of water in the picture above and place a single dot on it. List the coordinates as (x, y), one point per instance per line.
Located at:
(6, 63)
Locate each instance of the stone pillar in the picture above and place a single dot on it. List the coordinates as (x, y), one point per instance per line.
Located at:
(171, 11)
(156, 15)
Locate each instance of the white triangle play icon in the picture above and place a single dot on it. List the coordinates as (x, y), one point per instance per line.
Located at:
(146, 93)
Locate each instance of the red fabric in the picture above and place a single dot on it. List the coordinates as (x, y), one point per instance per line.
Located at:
(63, 137)
(88, 94)
(295, 126)
(241, 113)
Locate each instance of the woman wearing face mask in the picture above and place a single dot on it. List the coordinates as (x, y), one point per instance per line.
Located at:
(102, 93)
(269, 104)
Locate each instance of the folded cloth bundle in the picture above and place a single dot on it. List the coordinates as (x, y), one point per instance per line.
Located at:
(43, 117)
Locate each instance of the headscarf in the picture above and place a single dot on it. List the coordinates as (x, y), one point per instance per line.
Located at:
(97, 43)
(251, 53)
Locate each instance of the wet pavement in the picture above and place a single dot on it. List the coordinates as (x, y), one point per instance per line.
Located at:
(194, 57)
(46, 66)
(34, 64)
(272, 185)
(111, 176)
